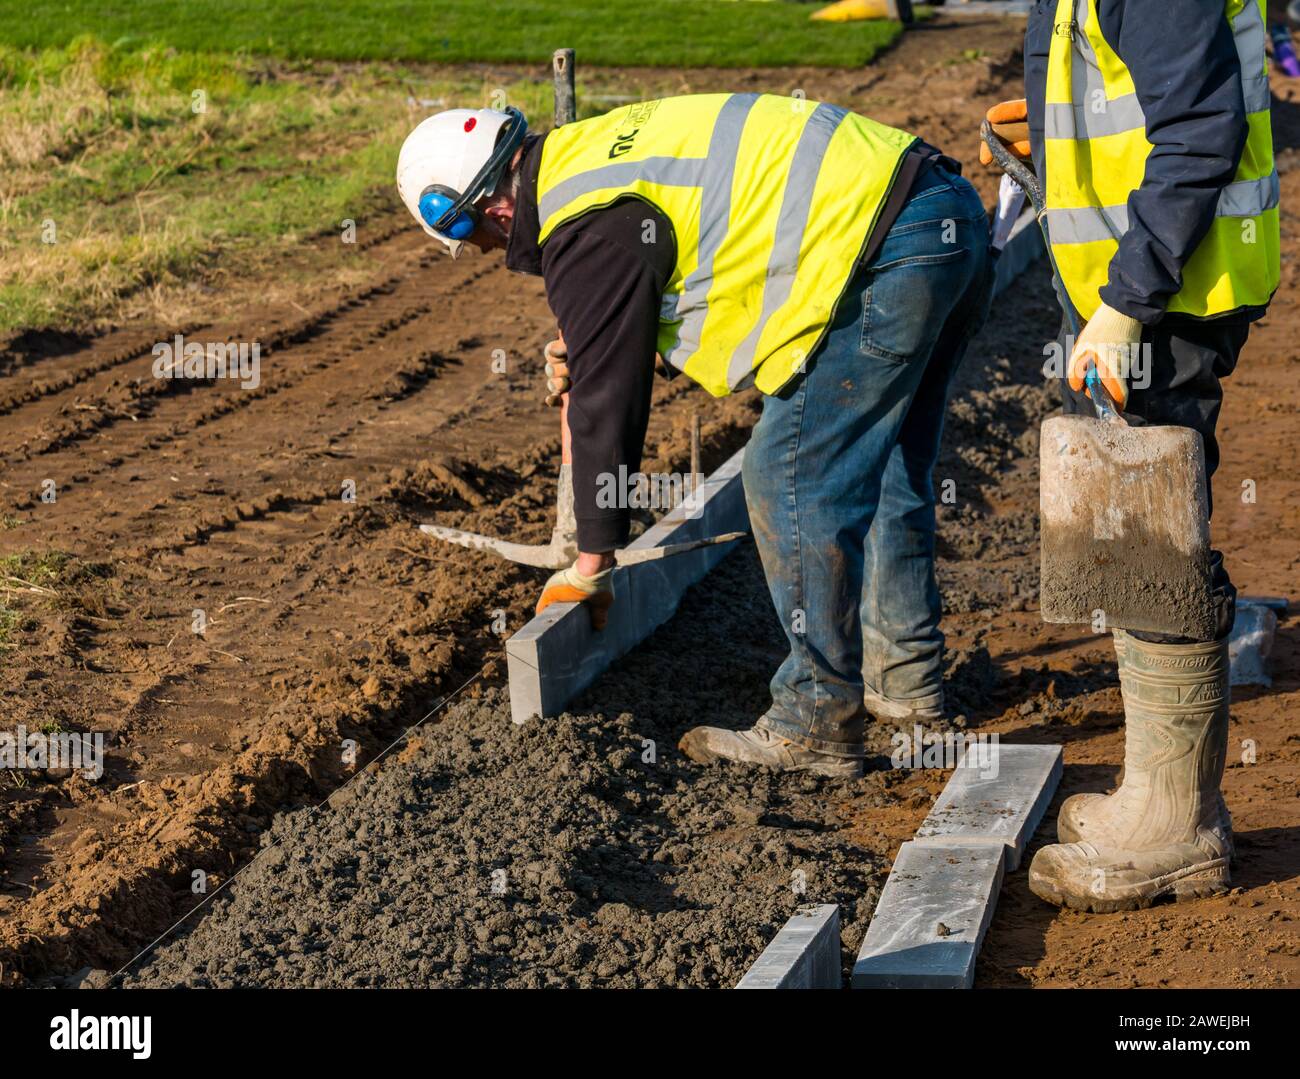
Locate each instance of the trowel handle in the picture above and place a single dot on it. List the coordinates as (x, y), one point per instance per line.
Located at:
(1102, 401)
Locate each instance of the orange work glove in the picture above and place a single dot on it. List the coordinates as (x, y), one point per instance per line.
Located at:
(571, 586)
(1010, 120)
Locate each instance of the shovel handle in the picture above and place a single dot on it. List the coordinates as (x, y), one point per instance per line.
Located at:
(1026, 178)
(1102, 401)
(1013, 166)
(1106, 408)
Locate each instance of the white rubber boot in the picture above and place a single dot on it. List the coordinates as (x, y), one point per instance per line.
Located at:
(1080, 810)
(1071, 820)
(1166, 830)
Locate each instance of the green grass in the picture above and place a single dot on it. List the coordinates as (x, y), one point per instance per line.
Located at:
(30, 567)
(25, 568)
(658, 33)
(8, 620)
(145, 196)
(118, 200)
(62, 583)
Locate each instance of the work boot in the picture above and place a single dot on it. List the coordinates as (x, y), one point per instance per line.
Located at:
(760, 746)
(1166, 830)
(1079, 807)
(913, 710)
(1077, 811)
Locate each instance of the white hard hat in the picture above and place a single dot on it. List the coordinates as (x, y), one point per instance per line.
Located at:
(450, 161)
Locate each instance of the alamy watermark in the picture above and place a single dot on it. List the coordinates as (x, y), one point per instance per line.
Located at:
(179, 358)
(661, 491)
(1133, 360)
(919, 748)
(72, 750)
(133, 1033)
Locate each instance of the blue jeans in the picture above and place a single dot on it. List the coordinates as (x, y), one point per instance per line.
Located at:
(838, 473)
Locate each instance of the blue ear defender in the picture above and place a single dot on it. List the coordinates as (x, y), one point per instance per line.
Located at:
(434, 206)
(452, 213)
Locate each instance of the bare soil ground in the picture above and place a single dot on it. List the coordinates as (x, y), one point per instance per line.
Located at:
(331, 620)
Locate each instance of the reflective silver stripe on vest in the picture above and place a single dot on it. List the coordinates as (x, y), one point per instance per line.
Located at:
(1248, 35)
(1063, 120)
(668, 171)
(791, 221)
(1249, 198)
(1087, 224)
(715, 218)
(1257, 94)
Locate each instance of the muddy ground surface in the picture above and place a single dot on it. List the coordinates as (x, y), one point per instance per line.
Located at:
(583, 851)
(609, 868)
(555, 854)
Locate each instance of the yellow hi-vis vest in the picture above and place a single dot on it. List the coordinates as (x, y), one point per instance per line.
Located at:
(1096, 151)
(771, 200)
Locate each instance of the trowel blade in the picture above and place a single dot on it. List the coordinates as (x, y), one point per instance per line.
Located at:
(546, 556)
(1125, 527)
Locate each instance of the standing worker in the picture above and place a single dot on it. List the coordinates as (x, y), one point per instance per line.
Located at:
(837, 265)
(1148, 125)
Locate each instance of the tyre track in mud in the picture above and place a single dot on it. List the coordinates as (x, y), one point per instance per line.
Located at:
(327, 620)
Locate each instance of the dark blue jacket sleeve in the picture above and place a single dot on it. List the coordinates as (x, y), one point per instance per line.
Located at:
(1038, 41)
(1188, 80)
(1184, 65)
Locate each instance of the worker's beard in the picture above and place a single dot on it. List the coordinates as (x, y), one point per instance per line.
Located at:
(491, 235)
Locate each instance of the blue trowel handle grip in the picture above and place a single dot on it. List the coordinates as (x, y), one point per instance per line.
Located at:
(1101, 399)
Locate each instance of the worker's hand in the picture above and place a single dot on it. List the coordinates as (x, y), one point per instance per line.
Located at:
(1109, 341)
(571, 585)
(557, 371)
(1010, 120)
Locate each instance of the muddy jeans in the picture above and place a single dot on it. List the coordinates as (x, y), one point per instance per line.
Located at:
(837, 473)
(1189, 358)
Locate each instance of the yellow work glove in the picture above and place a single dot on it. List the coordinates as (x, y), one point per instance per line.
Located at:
(557, 371)
(1010, 120)
(570, 586)
(1109, 340)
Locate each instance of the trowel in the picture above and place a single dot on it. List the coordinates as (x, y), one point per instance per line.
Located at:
(1125, 537)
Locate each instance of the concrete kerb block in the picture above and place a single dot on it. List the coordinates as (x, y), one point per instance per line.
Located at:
(805, 954)
(998, 800)
(939, 899)
(557, 655)
(931, 918)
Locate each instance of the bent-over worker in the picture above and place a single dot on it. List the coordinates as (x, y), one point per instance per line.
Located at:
(838, 266)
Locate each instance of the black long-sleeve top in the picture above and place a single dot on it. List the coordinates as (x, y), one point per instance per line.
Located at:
(605, 275)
